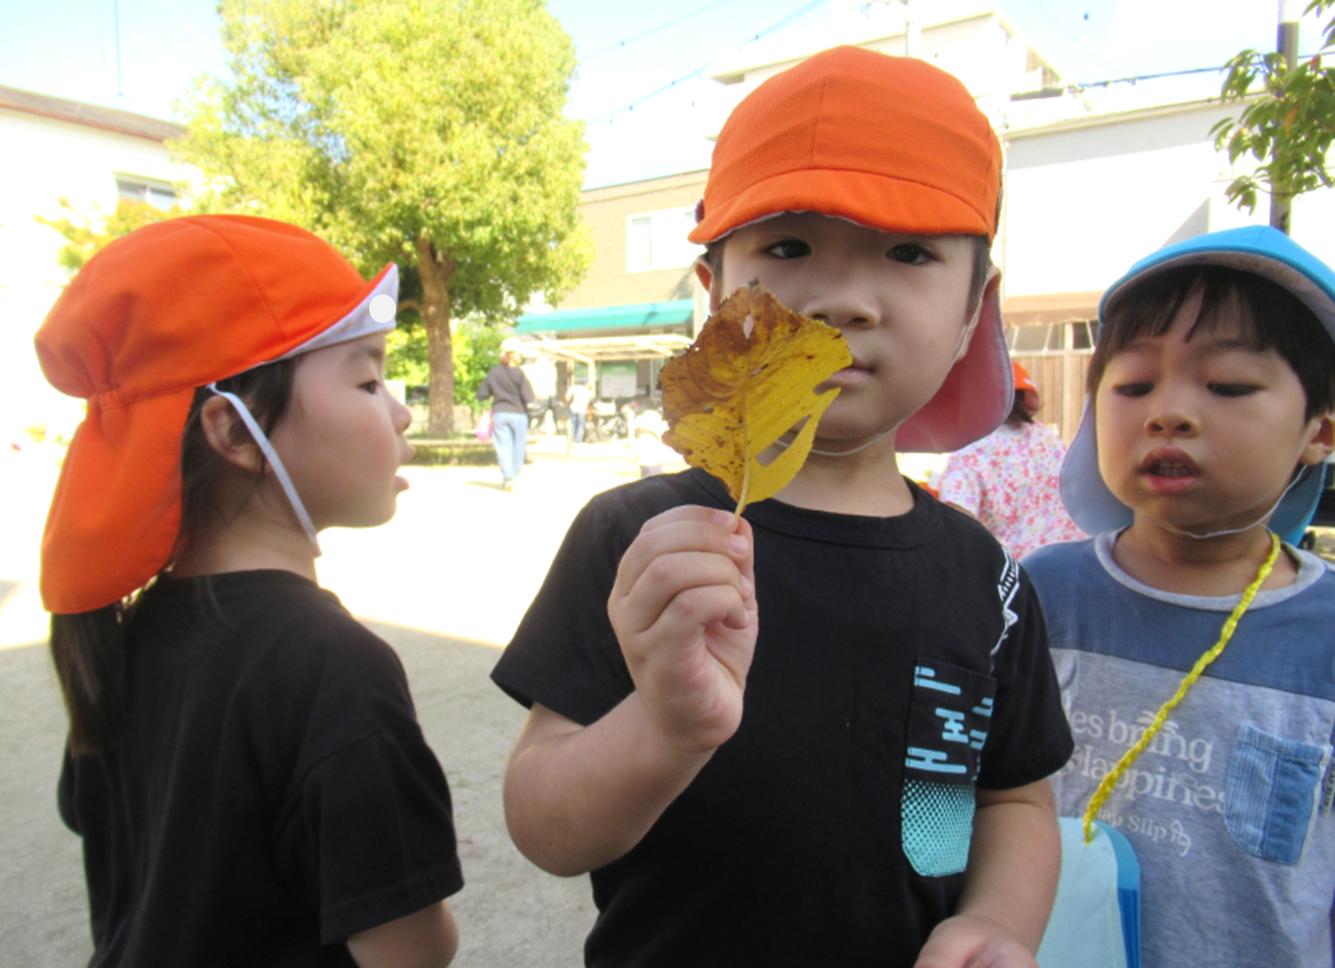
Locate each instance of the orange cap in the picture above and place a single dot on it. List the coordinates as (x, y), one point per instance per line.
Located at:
(167, 309)
(889, 142)
(1026, 386)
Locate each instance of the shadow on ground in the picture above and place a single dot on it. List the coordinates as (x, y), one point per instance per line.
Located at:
(509, 912)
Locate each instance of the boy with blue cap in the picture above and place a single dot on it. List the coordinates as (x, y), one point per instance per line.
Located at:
(871, 789)
(1192, 646)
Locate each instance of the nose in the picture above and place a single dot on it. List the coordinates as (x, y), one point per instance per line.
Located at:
(843, 300)
(1171, 417)
(400, 415)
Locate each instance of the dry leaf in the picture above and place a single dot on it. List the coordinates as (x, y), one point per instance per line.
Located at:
(748, 379)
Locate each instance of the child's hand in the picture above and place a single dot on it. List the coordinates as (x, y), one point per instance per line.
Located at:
(969, 941)
(684, 610)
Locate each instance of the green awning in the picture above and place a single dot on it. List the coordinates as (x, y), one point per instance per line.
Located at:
(678, 312)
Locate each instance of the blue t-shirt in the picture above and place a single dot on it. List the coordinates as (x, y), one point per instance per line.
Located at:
(1228, 809)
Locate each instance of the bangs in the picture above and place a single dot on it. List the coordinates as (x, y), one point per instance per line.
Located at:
(1269, 316)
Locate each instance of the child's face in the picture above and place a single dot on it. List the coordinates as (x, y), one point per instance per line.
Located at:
(901, 302)
(342, 439)
(1203, 435)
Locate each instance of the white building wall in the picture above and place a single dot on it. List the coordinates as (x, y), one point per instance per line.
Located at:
(1085, 201)
(44, 160)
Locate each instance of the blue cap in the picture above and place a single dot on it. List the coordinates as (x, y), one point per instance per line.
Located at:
(1260, 250)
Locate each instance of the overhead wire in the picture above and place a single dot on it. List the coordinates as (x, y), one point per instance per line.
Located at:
(622, 44)
(699, 71)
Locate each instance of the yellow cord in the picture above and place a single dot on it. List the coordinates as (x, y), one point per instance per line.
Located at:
(1106, 785)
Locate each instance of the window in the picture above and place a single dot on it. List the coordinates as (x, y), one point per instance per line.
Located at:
(1075, 337)
(156, 193)
(657, 240)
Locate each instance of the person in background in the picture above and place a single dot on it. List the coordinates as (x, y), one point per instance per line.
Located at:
(507, 386)
(578, 396)
(243, 763)
(1008, 480)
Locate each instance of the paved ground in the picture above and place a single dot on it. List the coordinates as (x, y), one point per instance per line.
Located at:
(445, 584)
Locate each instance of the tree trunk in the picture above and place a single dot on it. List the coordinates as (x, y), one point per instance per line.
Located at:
(436, 269)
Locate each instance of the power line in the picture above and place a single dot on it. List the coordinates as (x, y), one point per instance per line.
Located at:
(1077, 41)
(699, 71)
(620, 45)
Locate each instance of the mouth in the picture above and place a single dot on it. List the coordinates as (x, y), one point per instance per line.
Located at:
(1168, 470)
(849, 375)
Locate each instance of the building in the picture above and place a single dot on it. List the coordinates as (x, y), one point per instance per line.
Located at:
(92, 156)
(1095, 179)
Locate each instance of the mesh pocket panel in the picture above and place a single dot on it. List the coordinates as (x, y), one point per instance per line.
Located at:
(937, 826)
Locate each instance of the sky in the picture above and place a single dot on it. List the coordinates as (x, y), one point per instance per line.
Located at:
(642, 84)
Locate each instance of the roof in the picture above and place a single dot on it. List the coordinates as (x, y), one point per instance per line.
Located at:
(89, 115)
(611, 348)
(677, 312)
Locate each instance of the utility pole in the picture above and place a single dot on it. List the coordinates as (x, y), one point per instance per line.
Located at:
(1287, 45)
(912, 31)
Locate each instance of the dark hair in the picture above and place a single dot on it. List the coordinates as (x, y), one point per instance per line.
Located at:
(1273, 317)
(89, 649)
(1019, 412)
(982, 261)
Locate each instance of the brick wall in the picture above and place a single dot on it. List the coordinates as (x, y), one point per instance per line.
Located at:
(606, 211)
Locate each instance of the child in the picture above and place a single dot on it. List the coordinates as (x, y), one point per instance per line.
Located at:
(1008, 480)
(1211, 390)
(815, 806)
(244, 764)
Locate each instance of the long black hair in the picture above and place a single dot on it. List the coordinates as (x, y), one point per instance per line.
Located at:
(91, 649)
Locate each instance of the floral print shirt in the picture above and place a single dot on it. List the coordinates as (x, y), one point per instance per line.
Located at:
(1008, 480)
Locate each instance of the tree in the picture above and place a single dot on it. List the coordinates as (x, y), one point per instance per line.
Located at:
(425, 132)
(1288, 128)
(84, 237)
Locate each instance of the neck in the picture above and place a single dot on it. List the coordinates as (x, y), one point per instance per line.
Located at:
(850, 477)
(1212, 567)
(254, 531)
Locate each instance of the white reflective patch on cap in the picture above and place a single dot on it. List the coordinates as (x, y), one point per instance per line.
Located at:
(382, 308)
(374, 314)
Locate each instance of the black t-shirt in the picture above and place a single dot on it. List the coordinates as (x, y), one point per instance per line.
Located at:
(900, 660)
(509, 388)
(270, 792)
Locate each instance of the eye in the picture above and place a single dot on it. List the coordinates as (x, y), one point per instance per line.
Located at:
(1232, 389)
(371, 387)
(788, 249)
(1132, 389)
(909, 253)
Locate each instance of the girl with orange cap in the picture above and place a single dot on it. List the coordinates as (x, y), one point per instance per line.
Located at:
(1008, 480)
(244, 764)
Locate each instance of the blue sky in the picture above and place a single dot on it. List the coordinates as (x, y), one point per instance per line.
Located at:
(628, 50)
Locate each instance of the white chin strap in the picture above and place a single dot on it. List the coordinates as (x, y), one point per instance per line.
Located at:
(271, 456)
(1298, 478)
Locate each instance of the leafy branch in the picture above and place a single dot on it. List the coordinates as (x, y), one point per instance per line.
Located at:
(1288, 124)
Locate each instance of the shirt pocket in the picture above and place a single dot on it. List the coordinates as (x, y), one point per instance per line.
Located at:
(949, 719)
(1270, 793)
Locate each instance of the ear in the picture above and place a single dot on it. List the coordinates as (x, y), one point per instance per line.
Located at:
(707, 279)
(228, 436)
(1321, 442)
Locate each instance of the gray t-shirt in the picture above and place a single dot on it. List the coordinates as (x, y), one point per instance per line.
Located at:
(1229, 807)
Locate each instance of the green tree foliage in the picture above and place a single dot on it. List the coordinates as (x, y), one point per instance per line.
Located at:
(85, 235)
(1288, 123)
(424, 132)
(477, 343)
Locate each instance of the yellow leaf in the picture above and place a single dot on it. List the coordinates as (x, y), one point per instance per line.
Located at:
(749, 378)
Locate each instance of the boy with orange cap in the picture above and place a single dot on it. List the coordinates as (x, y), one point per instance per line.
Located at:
(820, 734)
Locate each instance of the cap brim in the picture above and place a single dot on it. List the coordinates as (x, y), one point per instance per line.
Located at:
(876, 201)
(975, 398)
(374, 313)
(117, 505)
